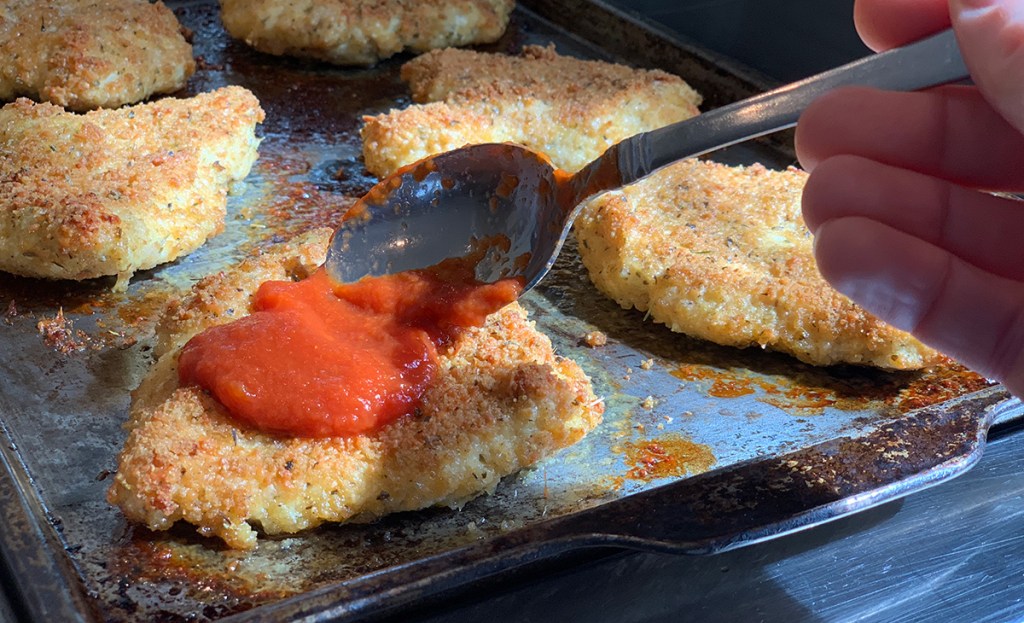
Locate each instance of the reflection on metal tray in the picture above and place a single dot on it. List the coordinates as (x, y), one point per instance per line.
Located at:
(702, 449)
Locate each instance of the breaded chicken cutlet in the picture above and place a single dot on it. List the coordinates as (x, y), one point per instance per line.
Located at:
(362, 32)
(85, 54)
(572, 110)
(722, 253)
(501, 401)
(111, 192)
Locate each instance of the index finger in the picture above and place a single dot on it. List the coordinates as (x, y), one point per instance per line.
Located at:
(884, 24)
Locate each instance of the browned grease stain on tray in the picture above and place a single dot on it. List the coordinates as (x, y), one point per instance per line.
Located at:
(670, 455)
(300, 206)
(148, 559)
(898, 392)
(940, 384)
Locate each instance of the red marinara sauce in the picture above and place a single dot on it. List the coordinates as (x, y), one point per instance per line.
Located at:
(319, 359)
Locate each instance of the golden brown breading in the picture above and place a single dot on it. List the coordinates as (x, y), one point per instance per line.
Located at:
(111, 192)
(570, 109)
(362, 32)
(84, 54)
(722, 253)
(501, 401)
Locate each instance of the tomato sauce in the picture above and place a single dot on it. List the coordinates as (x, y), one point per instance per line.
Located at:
(320, 359)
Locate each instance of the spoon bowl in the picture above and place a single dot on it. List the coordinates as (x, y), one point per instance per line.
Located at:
(509, 208)
(499, 199)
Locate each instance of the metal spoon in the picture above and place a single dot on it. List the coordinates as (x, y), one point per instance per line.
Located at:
(511, 203)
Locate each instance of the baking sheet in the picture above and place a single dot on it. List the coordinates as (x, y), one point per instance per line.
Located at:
(702, 448)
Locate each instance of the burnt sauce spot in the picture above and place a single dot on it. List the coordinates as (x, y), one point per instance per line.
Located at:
(666, 456)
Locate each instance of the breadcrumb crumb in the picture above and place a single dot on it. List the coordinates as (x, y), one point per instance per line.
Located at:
(59, 334)
(594, 339)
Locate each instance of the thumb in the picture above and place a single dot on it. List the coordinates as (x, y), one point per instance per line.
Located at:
(991, 37)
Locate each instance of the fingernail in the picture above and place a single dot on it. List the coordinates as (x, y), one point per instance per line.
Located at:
(972, 4)
(972, 9)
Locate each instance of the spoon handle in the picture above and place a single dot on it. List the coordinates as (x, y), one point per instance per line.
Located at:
(926, 63)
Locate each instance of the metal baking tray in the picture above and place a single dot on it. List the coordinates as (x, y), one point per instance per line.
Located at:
(702, 448)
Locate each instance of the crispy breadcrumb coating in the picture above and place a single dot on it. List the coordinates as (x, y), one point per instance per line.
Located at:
(501, 401)
(570, 109)
(722, 253)
(85, 54)
(362, 32)
(111, 192)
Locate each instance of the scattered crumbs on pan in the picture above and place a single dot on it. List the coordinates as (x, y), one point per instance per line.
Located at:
(204, 65)
(649, 403)
(647, 364)
(508, 525)
(59, 333)
(595, 339)
(474, 531)
(121, 339)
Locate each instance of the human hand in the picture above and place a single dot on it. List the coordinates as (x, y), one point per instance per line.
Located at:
(896, 197)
